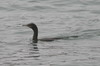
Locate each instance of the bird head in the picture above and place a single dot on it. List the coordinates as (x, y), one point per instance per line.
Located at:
(30, 25)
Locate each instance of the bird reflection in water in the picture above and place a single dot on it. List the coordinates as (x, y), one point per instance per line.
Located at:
(34, 51)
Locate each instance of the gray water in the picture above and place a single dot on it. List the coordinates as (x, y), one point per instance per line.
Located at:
(54, 18)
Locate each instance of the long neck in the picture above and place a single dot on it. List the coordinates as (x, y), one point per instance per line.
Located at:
(35, 35)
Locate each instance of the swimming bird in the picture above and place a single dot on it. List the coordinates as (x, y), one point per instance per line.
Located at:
(35, 35)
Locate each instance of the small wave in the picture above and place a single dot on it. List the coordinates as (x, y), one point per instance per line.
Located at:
(32, 8)
(6, 8)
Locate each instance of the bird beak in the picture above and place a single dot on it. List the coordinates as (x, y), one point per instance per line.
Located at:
(24, 25)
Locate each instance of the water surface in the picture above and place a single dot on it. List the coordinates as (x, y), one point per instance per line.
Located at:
(54, 18)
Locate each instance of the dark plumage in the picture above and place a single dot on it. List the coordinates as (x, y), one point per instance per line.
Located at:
(35, 35)
(35, 30)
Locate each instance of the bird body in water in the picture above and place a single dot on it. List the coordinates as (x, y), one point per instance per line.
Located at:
(35, 35)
